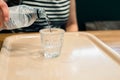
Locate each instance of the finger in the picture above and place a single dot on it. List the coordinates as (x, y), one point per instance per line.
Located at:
(2, 26)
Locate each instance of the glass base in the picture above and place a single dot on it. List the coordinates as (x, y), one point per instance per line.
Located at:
(51, 55)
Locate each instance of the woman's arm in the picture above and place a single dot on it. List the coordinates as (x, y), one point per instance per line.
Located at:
(72, 25)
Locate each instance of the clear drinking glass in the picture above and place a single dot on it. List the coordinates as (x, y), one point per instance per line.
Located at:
(51, 42)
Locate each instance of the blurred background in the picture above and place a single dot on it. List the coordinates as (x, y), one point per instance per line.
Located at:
(98, 14)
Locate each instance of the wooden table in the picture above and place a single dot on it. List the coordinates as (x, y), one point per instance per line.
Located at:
(111, 38)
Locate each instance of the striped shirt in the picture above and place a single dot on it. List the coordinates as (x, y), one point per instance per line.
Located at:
(57, 10)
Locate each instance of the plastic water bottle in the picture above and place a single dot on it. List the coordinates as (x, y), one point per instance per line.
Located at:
(23, 16)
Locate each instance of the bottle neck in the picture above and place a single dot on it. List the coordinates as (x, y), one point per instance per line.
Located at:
(41, 13)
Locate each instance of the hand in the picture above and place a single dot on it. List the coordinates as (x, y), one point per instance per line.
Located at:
(4, 12)
(4, 9)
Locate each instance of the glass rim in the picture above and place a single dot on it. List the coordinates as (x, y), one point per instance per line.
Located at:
(53, 31)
